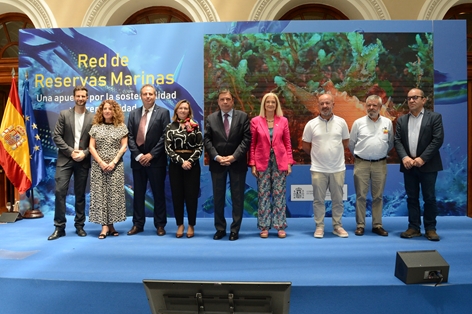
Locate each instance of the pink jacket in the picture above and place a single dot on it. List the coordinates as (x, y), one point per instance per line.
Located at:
(260, 144)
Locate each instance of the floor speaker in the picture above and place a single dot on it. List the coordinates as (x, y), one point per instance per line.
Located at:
(421, 267)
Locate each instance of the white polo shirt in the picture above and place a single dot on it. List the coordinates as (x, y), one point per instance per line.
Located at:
(326, 138)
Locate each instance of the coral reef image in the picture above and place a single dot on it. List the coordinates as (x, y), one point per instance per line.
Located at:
(301, 66)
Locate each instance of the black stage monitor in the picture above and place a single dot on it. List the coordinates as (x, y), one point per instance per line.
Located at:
(222, 297)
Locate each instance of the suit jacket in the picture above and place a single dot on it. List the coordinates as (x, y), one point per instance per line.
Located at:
(430, 139)
(237, 144)
(64, 133)
(261, 145)
(154, 143)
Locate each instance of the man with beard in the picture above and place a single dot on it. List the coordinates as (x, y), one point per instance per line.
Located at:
(370, 141)
(72, 138)
(418, 137)
(325, 138)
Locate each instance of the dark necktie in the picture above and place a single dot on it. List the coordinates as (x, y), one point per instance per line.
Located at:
(226, 124)
(142, 128)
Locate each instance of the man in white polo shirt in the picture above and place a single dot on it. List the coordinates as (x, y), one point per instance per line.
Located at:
(325, 138)
(371, 140)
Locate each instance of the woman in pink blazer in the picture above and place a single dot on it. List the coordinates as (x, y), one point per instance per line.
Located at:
(270, 158)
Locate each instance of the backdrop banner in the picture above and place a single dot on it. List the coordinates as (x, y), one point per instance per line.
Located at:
(298, 60)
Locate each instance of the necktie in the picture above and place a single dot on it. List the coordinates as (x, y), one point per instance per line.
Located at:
(226, 124)
(142, 128)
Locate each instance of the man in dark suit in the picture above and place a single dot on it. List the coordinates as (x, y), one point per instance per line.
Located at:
(419, 136)
(146, 127)
(71, 135)
(227, 139)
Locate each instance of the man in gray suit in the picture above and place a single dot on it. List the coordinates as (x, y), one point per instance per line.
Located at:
(146, 126)
(419, 136)
(227, 139)
(72, 138)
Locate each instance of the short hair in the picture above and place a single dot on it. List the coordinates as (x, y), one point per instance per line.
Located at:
(118, 116)
(224, 91)
(147, 85)
(376, 98)
(329, 94)
(175, 117)
(278, 108)
(80, 87)
(422, 93)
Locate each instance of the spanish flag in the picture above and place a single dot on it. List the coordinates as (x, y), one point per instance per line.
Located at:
(14, 149)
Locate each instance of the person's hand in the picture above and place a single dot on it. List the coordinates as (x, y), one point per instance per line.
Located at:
(254, 171)
(187, 165)
(408, 162)
(78, 155)
(289, 170)
(145, 160)
(418, 162)
(224, 160)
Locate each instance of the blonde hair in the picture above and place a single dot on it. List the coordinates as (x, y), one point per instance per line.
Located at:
(278, 108)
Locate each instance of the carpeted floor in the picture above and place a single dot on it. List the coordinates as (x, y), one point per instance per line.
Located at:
(369, 261)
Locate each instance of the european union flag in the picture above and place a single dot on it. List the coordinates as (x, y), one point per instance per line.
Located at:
(38, 169)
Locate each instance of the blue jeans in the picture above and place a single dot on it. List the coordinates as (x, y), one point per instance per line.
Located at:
(414, 180)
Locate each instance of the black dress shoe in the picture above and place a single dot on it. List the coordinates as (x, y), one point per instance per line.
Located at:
(161, 231)
(80, 232)
(380, 231)
(135, 230)
(359, 231)
(219, 235)
(59, 232)
(233, 236)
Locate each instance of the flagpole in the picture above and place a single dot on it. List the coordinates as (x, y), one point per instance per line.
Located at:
(33, 212)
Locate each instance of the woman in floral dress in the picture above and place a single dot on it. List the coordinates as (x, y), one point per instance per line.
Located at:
(108, 143)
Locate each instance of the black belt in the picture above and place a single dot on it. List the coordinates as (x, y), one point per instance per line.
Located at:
(370, 160)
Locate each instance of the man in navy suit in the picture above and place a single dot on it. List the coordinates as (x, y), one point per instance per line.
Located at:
(71, 135)
(146, 126)
(419, 136)
(227, 139)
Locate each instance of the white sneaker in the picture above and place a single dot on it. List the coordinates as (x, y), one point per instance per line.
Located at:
(319, 233)
(340, 232)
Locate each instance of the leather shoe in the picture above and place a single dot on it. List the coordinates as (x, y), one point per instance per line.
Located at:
(80, 232)
(359, 231)
(431, 235)
(135, 230)
(380, 231)
(161, 231)
(219, 235)
(410, 233)
(233, 236)
(59, 232)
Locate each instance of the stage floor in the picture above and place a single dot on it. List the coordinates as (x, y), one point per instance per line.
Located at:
(369, 260)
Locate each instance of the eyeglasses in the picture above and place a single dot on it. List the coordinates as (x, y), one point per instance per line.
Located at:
(413, 97)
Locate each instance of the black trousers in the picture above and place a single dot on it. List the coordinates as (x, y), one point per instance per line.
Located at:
(63, 177)
(237, 183)
(185, 187)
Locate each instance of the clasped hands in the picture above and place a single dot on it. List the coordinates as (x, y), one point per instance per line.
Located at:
(226, 160)
(410, 162)
(186, 165)
(145, 160)
(78, 155)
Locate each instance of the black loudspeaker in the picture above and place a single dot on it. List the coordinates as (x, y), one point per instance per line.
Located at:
(421, 267)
